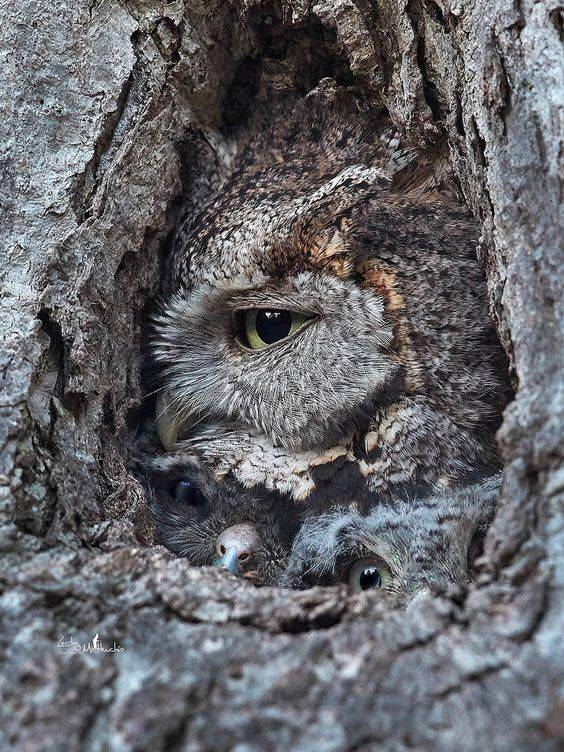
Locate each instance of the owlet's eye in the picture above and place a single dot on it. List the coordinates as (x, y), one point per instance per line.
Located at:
(368, 574)
(186, 492)
(261, 327)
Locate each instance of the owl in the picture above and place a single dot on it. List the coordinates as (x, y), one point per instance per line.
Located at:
(402, 549)
(249, 533)
(324, 332)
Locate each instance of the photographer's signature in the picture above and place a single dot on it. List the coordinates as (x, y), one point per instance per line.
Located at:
(95, 645)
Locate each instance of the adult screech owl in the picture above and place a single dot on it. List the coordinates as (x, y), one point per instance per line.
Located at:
(325, 332)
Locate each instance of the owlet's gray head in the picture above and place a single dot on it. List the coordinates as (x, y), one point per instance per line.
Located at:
(400, 549)
(248, 532)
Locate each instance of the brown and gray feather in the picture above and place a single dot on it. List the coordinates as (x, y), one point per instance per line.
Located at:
(397, 385)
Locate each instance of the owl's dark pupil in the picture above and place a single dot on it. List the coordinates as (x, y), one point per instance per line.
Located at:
(273, 325)
(370, 578)
(186, 492)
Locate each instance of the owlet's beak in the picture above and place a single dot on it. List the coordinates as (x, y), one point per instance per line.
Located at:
(236, 546)
(168, 424)
(229, 561)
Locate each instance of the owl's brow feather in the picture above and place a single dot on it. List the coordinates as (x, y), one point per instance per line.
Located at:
(321, 533)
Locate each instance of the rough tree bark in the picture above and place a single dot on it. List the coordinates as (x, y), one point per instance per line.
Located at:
(97, 97)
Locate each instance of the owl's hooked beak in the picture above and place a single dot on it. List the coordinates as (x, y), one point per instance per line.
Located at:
(229, 561)
(168, 424)
(236, 546)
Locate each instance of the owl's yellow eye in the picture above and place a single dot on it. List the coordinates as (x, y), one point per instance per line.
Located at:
(369, 574)
(261, 327)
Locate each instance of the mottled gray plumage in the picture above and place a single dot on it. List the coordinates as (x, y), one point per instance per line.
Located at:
(191, 510)
(415, 544)
(394, 385)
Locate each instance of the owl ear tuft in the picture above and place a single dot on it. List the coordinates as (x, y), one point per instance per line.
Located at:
(168, 423)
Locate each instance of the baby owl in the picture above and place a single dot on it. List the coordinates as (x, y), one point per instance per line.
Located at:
(324, 335)
(249, 532)
(401, 549)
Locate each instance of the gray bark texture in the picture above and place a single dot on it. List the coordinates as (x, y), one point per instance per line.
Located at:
(97, 97)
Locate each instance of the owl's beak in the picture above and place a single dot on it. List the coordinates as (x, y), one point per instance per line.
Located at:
(168, 424)
(236, 546)
(229, 561)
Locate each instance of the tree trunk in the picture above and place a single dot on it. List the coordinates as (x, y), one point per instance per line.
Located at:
(97, 100)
